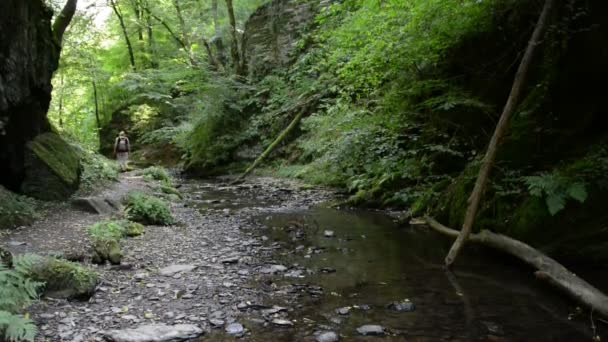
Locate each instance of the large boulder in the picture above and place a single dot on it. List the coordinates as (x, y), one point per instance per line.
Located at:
(29, 55)
(52, 168)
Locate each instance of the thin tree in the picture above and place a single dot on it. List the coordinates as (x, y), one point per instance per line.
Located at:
(63, 20)
(488, 161)
(234, 50)
(121, 21)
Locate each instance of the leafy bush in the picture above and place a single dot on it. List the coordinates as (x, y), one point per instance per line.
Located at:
(107, 230)
(556, 190)
(148, 210)
(16, 210)
(17, 291)
(157, 173)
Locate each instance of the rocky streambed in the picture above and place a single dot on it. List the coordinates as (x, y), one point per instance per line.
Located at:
(268, 260)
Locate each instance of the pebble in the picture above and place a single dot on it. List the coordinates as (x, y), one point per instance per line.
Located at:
(172, 270)
(329, 233)
(282, 322)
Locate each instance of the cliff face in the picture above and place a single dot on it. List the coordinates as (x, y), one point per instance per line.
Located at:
(28, 57)
(271, 33)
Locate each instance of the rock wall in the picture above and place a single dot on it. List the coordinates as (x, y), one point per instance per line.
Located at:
(272, 31)
(28, 57)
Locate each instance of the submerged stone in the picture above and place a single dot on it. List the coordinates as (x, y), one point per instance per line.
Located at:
(371, 330)
(155, 333)
(405, 306)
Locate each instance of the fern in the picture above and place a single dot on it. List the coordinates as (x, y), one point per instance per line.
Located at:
(17, 291)
(556, 189)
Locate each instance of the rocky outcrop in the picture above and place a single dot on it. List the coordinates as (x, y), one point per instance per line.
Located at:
(29, 55)
(51, 168)
(272, 31)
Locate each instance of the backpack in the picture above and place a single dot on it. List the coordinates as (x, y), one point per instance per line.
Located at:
(123, 145)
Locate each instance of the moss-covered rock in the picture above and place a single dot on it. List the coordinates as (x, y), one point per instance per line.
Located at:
(134, 229)
(169, 190)
(52, 168)
(107, 250)
(15, 210)
(65, 279)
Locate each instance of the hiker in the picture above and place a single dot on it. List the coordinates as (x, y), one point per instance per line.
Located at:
(122, 147)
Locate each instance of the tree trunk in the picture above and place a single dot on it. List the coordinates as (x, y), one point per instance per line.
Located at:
(234, 50)
(490, 156)
(96, 109)
(121, 21)
(548, 269)
(216, 20)
(185, 34)
(61, 91)
(63, 20)
(150, 34)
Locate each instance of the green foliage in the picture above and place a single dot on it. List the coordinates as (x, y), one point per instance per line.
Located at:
(108, 230)
(148, 210)
(556, 189)
(97, 170)
(17, 290)
(16, 210)
(157, 173)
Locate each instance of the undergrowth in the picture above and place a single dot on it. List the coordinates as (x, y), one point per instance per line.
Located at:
(148, 210)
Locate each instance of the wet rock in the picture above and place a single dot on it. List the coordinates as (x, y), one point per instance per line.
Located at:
(217, 323)
(343, 311)
(235, 329)
(272, 269)
(155, 333)
(405, 306)
(172, 270)
(328, 336)
(93, 205)
(371, 330)
(329, 233)
(230, 260)
(328, 270)
(274, 310)
(282, 322)
(493, 328)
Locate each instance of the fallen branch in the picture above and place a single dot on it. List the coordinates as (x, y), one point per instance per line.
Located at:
(294, 123)
(488, 160)
(548, 269)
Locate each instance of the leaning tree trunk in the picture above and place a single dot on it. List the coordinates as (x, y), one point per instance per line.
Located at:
(548, 269)
(490, 156)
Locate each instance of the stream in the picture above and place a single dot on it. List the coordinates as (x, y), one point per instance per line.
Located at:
(348, 268)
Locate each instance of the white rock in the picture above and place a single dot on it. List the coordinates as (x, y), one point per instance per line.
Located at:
(172, 270)
(155, 333)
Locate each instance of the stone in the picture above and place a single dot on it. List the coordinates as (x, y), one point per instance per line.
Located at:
(371, 330)
(329, 233)
(327, 336)
(93, 205)
(217, 323)
(405, 306)
(52, 168)
(272, 269)
(235, 329)
(282, 322)
(343, 311)
(172, 270)
(230, 260)
(155, 333)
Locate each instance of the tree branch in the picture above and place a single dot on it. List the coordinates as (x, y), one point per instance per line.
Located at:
(63, 20)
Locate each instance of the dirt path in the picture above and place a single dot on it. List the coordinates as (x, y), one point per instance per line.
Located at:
(220, 244)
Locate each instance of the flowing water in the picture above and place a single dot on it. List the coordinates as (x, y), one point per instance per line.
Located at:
(369, 262)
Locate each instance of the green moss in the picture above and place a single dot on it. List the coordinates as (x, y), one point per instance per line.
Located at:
(107, 230)
(148, 210)
(60, 156)
(169, 190)
(52, 168)
(157, 173)
(65, 279)
(134, 229)
(107, 250)
(16, 210)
